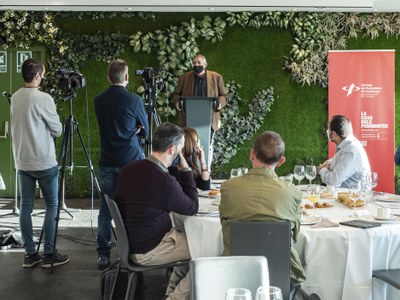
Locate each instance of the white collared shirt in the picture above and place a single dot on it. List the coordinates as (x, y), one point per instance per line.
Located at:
(349, 164)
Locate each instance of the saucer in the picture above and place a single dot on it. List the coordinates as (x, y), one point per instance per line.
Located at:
(374, 219)
(391, 218)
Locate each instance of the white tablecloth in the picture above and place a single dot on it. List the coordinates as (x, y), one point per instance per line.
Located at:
(338, 261)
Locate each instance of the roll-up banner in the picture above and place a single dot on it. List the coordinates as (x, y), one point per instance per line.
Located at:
(361, 87)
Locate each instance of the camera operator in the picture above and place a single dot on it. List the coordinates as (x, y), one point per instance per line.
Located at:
(122, 118)
(35, 123)
(203, 83)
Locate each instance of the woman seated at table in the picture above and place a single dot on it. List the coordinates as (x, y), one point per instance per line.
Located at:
(194, 155)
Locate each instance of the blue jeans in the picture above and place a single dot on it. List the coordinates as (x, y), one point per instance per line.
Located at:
(48, 183)
(107, 181)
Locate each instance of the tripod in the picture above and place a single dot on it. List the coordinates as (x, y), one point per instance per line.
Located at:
(70, 126)
(15, 211)
(150, 95)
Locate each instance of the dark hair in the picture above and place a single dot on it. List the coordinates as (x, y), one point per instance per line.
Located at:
(30, 68)
(117, 69)
(189, 150)
(341, 125)
(269, 147)
(166, 135)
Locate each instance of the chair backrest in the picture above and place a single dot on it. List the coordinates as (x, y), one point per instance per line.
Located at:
(271, 239)
(211, 277)
(122, 246)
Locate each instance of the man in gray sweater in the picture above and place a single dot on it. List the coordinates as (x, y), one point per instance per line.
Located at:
(35, 123)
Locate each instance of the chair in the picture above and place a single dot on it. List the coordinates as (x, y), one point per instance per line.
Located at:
(122, 248)
(271, 239)
(211, 277)
(391, 277)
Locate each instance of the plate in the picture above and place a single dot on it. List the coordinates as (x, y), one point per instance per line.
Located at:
(206, 194)
(387, 198)
(310, 220)
(217, 181)
(376, 220)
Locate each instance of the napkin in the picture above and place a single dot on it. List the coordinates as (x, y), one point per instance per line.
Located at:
(325, 223)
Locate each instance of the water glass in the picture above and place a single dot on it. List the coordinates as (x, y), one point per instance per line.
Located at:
(311, 172)
(355, 194)
(313, 194)
(238, 294)
(288, 178)
(299, 173)
(243, 170)
(235, 173)
(372, 178)
(275, 293)
(262, 293)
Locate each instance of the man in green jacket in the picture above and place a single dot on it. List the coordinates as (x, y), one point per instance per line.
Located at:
(260, 195)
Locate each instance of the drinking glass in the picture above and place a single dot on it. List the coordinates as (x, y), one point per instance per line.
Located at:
(262, 293)
(275, 293)
(372, 178)
(355, 194)
(235, 173)
(299, 173)
(238, 294)
(311, 172)
(243, 170)
(313, 195)
(288, 178)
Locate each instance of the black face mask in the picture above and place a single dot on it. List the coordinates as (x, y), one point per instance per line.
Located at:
(198, 69)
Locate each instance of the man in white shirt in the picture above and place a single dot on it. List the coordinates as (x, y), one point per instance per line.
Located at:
(350, 163)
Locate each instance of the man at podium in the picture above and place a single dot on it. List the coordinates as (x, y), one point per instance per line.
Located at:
(203, 83)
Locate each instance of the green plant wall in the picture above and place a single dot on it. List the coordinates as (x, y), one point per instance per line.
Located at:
(285, 51)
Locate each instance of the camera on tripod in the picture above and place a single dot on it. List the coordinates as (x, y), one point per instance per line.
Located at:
(69, 81)
(151, 80)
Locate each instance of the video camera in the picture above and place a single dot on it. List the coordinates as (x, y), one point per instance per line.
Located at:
(69, 81)
(152, 80)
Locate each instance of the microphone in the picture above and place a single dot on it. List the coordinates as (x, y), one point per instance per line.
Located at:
(6, 94)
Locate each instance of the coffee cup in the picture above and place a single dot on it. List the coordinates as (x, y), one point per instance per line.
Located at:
(383, 212)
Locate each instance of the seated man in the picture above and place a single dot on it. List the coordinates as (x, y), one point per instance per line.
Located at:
(260, 195)
(350, 163)
(146, 194)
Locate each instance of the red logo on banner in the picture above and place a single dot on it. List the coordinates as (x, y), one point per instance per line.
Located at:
(361, 87)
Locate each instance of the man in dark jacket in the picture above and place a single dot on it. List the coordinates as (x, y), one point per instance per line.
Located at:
(146, 194)
(121, 117)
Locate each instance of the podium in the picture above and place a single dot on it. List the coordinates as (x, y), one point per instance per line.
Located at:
(198, 114)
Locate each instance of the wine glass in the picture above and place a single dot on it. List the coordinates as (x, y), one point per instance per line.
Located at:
(238, 294)
(299, 173)
(288, 178)
(262, 293)
(275, 293)
(235, 173)
(355, 194)
(372, 178)
(243, 170)
(313, 195)
(311, 172)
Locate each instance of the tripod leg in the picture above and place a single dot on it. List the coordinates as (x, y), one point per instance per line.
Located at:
(15, 211)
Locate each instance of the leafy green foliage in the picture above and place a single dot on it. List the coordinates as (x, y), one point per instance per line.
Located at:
(236, 128)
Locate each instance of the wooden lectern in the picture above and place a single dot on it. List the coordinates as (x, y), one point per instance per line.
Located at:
(198, 114)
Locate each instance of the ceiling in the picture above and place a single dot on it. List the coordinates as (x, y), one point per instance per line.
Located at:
(205, 5)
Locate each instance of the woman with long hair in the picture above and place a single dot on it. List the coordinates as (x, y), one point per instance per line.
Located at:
(194, 155)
